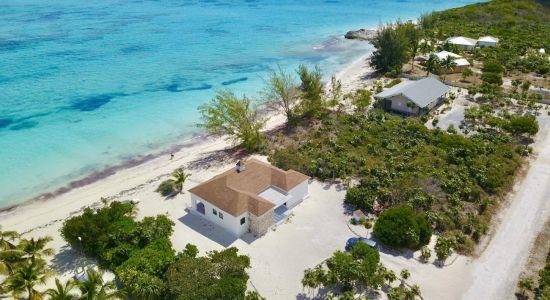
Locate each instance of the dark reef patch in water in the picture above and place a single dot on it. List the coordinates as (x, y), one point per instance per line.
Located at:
(204, 86)
(5, 122)
(94, 102)
(173, 87)
(24, 125)
(229, 82)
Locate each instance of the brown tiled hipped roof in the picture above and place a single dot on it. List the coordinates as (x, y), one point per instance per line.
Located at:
(236, 193)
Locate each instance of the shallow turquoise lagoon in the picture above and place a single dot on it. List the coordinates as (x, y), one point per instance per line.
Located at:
(89, 84)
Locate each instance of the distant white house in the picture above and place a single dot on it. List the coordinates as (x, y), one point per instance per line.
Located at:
(487, 41)
(465, 43)
(252, 197)
(461, 62)
(414, 97)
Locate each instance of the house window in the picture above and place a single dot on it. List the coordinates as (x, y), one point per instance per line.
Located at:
(243, 220)
(220, 215)
(214, 211)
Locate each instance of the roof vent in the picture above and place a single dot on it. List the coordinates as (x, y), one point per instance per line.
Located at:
(239, 167)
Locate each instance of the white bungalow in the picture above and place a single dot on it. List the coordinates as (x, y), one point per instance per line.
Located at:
(462, 42)
(487, 41)
(414, 97)
(252, 197)
(461, 62)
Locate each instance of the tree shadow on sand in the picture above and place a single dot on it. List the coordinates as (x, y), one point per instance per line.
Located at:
(217, 158)
(70, 261)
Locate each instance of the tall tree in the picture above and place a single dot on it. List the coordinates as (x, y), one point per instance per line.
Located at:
(180, 177)
(312, 91)
(281, 90)
(391, 49)
(448, 64)
(62, 291)
(25, 279)
(432, 64)
(228, 115)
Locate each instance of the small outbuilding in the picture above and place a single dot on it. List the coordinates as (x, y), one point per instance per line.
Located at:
(414, 97)
(464, 43)
(461, 62)
(487, 41)
(252, 197)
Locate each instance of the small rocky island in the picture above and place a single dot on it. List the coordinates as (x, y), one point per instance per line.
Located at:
(361, 34)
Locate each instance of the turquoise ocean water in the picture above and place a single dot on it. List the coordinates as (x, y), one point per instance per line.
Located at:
(85, 85)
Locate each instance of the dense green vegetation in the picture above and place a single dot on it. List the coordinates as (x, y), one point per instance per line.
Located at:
(544, 280)
(141, 255)
(357, 272)
(521, 25)
(395, 45)
(453, 179)
(401, 227)
(219, 275)
(23, 265)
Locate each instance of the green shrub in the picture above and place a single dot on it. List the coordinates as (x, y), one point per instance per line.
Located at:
(359, 198)
(166, 188)
(492, 78)
(393, 82)
(492, 66)
(401, 227)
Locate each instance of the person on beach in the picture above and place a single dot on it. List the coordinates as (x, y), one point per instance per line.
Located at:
(171, 156)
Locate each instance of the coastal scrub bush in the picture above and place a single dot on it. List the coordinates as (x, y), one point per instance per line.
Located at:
(394, 82)
(361, 99)
(166, 188)
(312, 104)
(401, 227)
(359, 197)
(492, 66)
(522, 125)
(492, 78)
(443, 247)
(235, 117)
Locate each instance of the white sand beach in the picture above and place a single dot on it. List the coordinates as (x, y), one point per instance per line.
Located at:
(318, 227)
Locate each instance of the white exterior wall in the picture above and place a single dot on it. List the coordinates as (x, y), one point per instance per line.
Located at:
(465, 47)
(229, 222)
(399, 103)
(298, 193)
(486, 44)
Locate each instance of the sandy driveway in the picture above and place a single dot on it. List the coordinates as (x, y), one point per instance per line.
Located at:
(495, 273)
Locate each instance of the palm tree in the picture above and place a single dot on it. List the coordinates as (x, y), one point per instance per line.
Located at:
(425, 47)
(36, 248)
(94, 288)
(448, 63)
(180, 177)
(62, 291)
(7, 238)
(9, 258)
(432, 64)
(25, 279)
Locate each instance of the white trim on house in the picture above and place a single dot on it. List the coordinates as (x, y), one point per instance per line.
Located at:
(233, 224)
(227, 221)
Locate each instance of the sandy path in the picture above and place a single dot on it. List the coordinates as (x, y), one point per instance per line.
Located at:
(495, 272)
